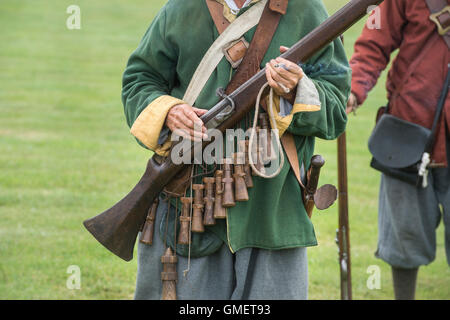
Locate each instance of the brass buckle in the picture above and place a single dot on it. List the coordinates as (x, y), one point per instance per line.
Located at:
(234, 64)
(434, 17)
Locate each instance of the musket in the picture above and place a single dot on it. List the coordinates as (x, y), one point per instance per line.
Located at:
(343, 232)
(117, 228)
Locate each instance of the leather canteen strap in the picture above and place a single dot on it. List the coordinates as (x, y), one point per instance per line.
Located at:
(440, 15)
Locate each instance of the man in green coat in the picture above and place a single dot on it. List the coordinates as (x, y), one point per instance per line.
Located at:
(259, 251)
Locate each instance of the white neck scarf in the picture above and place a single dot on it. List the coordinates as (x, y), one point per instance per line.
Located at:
(234, 8)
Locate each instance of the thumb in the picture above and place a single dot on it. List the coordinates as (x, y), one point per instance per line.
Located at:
(283, 49)
(199, 112)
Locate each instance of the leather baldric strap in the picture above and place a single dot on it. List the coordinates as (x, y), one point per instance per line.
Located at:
(216, 11)
(440, 15)
(260, 43)
(251, 61)
(236, 50)
(250, 58)
(279, 6)
(211, 59)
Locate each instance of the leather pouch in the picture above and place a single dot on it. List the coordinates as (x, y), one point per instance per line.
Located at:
(397, 147)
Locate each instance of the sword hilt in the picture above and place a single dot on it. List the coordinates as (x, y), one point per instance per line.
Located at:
(317, 162)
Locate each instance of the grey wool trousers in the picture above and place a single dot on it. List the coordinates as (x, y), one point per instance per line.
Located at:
(408, 217)
(249, 274)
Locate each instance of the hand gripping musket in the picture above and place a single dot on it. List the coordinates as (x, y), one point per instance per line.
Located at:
(117, 228)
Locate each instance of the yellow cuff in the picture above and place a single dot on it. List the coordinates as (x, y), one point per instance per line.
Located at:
(150, 122)
(282, 123)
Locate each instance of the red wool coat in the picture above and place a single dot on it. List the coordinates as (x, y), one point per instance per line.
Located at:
(418, 72)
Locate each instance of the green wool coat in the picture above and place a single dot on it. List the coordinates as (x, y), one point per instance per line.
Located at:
(165, 61)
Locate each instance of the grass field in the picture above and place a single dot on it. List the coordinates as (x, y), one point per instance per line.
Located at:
(66, 154)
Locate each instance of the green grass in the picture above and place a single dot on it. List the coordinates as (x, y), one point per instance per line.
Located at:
(66, 154)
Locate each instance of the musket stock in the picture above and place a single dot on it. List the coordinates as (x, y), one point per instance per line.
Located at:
(117, 228)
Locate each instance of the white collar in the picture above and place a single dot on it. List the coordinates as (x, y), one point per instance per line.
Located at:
(234, 8)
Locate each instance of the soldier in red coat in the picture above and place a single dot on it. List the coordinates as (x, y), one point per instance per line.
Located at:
(409, 215)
